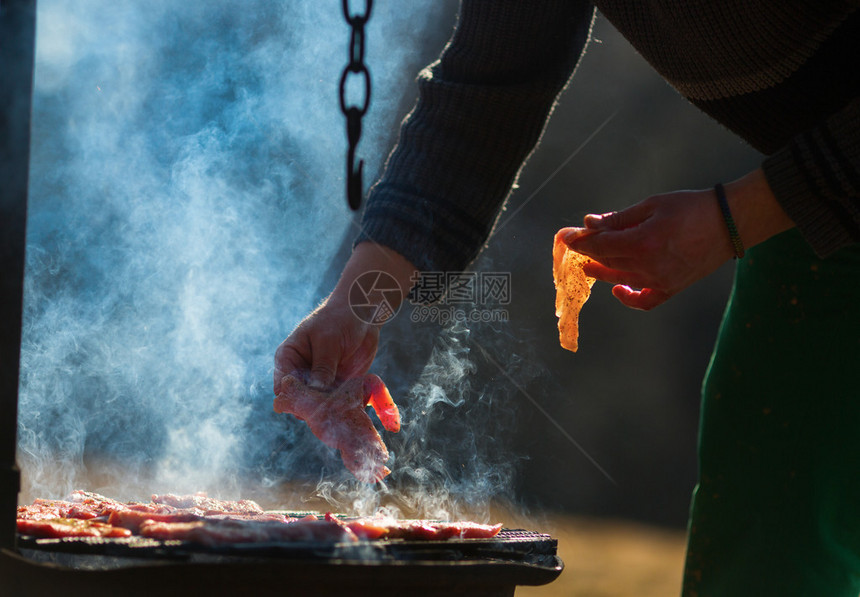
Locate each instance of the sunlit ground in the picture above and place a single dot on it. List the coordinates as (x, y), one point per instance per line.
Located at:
(613, 559)
(602, 558)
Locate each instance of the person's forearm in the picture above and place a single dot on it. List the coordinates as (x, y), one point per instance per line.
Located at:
(371, 257)
(481, 109)
(757, 213)
(811, 179)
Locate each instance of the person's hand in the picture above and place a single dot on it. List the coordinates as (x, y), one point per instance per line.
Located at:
(656, 248)
(660, 246)
(332, 343)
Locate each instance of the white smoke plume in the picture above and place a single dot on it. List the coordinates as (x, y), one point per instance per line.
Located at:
(187, 179)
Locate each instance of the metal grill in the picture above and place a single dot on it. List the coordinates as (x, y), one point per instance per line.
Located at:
(510, 545)
(143, 566)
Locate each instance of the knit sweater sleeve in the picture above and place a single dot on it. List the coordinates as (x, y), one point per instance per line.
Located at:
(816, 179)
(481, 110)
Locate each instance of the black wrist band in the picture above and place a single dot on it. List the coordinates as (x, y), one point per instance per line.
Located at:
(737, 244)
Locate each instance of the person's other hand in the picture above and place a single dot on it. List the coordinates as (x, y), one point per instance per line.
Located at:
(660, 246)
(332, 343)
(656, 248)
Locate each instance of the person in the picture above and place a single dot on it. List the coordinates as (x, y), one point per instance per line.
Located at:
(775, 510)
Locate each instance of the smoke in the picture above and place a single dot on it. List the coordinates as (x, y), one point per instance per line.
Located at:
(186, 186)
(453, 458)
(186, 201)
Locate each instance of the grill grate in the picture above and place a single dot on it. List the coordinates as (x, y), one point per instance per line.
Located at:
(96, 566)
(511, 544)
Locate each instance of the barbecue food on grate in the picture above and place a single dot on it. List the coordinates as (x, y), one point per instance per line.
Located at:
(81, 505)
(226, 531)
(339, 419)
(46, 510)
(425, 529)
(69, 527)
(572, 288)
(86, 514)
(128, 517)
(207, 504)
(390, 528)
(132, 518)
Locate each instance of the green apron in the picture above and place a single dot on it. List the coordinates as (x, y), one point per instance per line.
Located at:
(777, 507)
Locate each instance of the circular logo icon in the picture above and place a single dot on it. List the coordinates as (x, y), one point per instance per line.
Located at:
(373, 296)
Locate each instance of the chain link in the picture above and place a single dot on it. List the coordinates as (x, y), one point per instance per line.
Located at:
(354, 113)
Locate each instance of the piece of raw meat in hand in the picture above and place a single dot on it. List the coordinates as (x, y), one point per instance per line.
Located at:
(337, 416)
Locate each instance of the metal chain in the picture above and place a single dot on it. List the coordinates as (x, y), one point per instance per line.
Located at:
(354, 113)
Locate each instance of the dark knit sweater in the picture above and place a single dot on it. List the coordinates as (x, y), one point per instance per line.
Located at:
(782, 74)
